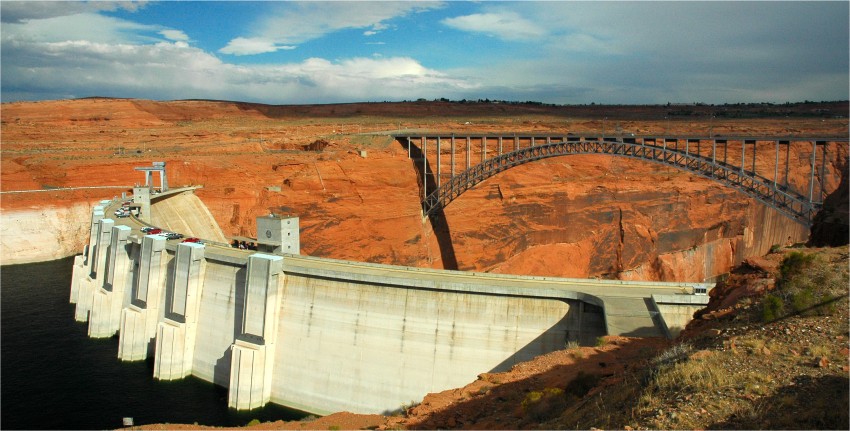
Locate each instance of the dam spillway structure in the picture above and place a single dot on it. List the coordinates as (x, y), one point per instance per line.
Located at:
(324, 335)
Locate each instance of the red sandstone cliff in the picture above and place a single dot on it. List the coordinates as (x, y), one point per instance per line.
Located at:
(575, 216)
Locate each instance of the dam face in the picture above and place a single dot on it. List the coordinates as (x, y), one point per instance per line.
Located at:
(324, 335)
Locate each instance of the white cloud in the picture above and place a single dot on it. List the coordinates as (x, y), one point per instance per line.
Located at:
(83, 26)
(177, 71)
(506, 25)
(176, 35)
(251, 46)
(21, 11)
(376, 29)
(292, 23)
(632, 52)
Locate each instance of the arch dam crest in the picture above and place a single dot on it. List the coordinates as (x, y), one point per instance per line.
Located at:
(735, 161)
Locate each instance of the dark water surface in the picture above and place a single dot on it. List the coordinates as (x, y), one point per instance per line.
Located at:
(55, 377)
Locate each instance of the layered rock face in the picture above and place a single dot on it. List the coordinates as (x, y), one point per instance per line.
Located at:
(586, 216)
(573, 216)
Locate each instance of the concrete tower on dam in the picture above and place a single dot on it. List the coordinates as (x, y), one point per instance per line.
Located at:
(324, 335)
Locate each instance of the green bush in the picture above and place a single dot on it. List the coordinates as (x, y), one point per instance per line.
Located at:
(803, 299)
(795, 264)
(253, 422)
(807, 285)
(773, 307)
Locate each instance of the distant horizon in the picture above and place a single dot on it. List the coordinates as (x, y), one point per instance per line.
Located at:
(441, 100)
(331, 52)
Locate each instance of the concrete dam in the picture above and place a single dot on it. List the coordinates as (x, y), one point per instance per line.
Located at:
(324, 335)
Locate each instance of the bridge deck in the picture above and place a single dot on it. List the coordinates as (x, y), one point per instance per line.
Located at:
(453, 164)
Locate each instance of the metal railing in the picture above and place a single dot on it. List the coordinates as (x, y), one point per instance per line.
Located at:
(769, 191)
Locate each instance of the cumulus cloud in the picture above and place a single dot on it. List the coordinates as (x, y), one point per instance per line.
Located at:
(632, 52)
(650, 52)
(252, 46)
(508, 25)
(176, 35)
(177, 71)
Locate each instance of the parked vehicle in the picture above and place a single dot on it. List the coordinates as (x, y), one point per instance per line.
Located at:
(172, 235)
(194, 240)
(154, 231)
(147, 229)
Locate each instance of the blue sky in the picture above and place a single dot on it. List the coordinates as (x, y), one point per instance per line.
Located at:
(354, 51)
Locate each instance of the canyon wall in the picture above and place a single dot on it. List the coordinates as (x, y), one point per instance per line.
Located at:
(587, 216)
(47, 233)
(358, 199)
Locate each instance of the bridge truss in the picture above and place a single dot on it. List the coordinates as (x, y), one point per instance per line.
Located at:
(757, 166)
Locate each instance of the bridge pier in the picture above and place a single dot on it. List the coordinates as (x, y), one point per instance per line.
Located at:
(252, 353)
(175, 335)
(109, 296)
(139, 319)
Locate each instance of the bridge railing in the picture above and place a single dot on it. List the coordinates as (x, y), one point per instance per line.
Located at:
(766, 190)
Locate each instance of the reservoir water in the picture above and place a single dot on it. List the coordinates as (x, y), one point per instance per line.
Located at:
(55, 377)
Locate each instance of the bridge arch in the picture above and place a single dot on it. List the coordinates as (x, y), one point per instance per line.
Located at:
(790, 203)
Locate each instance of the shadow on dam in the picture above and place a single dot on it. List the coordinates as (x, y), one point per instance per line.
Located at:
(438, 221)
(581, 324)
(221, 370)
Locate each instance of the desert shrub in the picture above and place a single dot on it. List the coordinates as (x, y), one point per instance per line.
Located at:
(693, 376)
(775, 248)
(773, 308)
(675, 354)
(601, 341)
(795, 264)
(803, 299)
(807, 284)
(540, 406)
(253, 422)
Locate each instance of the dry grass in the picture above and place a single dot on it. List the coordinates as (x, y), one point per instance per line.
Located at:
(755, 375)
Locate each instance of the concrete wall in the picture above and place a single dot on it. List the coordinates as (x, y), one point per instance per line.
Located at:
(324, 335)
(371, 348)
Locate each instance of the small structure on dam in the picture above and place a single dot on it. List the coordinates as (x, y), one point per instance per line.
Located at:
(324, 335)
(278, 234)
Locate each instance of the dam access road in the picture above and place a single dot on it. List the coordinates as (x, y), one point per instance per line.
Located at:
(324, 335)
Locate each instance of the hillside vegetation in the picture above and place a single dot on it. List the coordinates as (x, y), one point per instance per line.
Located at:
(770, 352)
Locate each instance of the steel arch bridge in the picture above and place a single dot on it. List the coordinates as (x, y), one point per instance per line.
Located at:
(724, 160)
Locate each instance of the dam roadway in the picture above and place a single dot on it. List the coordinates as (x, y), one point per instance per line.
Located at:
(324, 335)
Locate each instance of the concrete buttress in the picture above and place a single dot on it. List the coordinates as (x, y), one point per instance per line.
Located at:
(175, 335)
(82, 263)
(109, 295)
(252, 353)
(140, 317)
(97, 264)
